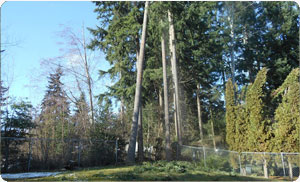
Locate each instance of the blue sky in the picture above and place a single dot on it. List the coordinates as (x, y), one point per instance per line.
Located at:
(32, 27)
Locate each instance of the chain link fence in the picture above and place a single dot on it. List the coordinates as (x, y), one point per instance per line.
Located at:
(263, 164)
(31, 154)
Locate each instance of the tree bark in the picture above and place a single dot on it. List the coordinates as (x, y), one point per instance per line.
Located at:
(166, 103)
(199, 111)
(122, 117)
(266, 175)
(137, 98)
(160, 125)
(175, 116)
(175, 76)
(290, 169)
(212, 129)
(231, 23)
(140, 136)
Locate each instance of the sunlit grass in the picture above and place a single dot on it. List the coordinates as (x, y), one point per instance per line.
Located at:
(158, 171)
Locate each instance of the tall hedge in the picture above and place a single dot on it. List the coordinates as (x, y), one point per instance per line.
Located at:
(287, 114)
(230, 115)
(259, 126)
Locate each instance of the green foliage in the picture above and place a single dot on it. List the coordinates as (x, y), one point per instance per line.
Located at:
(55, 108)
(241, 127)
(218, 163)
(17, 123)
(230, 115)
(259, 132)
(287, 114)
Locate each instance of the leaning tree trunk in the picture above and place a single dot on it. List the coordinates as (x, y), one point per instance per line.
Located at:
(175, 76)
(199, 112)
(290, 169)
(166, 103)
(175, 116)
(140, 136)
(137, 98)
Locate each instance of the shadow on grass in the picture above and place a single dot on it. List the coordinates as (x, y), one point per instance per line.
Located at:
(131, 176)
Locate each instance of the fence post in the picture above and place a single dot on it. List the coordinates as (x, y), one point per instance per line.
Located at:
(282, 164)
(204, 156)
(29, 155)
(240, 164)
(117, 151)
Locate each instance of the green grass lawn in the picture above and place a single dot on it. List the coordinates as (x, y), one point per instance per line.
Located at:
(158, 171)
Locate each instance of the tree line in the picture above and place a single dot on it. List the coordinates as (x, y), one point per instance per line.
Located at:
(209, 42)
(171, 65)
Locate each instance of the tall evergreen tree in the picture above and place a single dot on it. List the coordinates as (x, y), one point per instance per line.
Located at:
(55, 107)
(54, 117)
(287, 116)
(259, 133)
(81, 117)
(230, 115)
(137, 103)
(259, 128)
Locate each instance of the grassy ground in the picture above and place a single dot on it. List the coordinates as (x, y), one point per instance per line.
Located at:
(158, 171)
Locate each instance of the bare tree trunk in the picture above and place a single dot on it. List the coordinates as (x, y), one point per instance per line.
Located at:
(132, 143)
(140, 120)
(122, 113)
(166, 102)
(88, 77)
(212, 129)
(199, 111)
(231, 24)
(223, 80)
(122, 117)
(266, 175)
(160, 124)
(175, 75)
(140, 136)
(290, 169)
(175, 116)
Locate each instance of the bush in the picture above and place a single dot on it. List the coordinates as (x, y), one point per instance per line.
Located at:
(219, 163)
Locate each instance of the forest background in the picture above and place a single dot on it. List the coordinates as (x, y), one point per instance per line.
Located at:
(216, 43)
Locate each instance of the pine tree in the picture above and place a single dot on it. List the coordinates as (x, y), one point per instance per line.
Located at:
(81, 117)
(54, 117)
(137, 98)
(55, 107)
